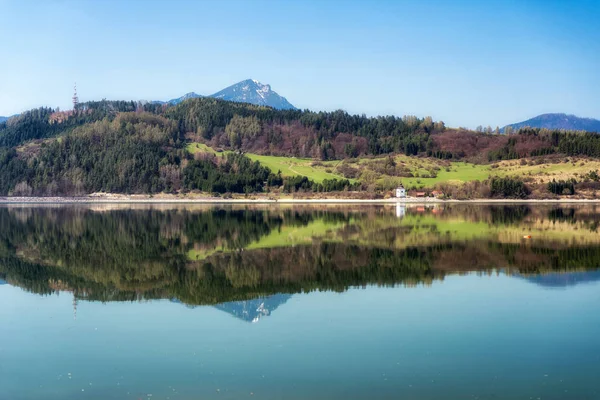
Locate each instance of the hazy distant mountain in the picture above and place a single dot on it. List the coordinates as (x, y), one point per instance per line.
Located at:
(254, 310)
(2, 119)
(254, 92)
(560, 280)
(560, 121)
(186, 96)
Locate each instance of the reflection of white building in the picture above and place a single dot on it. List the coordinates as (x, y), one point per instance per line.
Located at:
(400, 210)
(401, 192)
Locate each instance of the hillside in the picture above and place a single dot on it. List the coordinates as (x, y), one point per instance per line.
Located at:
(2, 119)
(214, 146)
(558, 121)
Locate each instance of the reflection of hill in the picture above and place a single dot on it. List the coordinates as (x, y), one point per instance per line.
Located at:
(554, 280)
(245, 275)
(212, 256)
(255, 309)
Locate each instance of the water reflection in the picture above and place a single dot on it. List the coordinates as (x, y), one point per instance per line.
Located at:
(254, 310)
(562, 280)
(243, 258)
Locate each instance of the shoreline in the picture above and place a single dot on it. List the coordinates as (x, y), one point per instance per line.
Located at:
(216, 200)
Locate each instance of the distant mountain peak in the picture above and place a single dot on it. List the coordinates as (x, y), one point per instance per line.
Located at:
(254, 92)
(559, 121)
(246, 91)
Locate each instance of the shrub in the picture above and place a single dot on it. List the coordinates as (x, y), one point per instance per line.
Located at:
(508, 188)
(562, 187)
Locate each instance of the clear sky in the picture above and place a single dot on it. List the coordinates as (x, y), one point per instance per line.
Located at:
(464, 62)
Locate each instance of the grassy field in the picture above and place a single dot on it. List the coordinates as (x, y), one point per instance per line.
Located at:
(545, 172)
(457, 172)
(200, 148)
(289, 166)
(427, 172)
(422, 167)
(460, 172)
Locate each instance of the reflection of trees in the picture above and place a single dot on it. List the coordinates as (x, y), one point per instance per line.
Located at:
(562, 215)
(504, 214)
(133, 254)
(322, 266)
(239, 275)
(508, 214)
(590, 220)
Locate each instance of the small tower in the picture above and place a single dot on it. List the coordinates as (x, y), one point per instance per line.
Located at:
(75, 97)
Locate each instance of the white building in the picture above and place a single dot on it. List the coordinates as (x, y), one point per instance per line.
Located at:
(401, 192)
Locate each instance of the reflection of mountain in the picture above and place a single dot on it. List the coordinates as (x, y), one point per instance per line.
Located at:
(554, 280)
(249, 310)
(254, 310)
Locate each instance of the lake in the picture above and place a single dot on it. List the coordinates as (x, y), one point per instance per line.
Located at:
(457, 301)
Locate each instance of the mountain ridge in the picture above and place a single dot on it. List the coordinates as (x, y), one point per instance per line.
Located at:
(246, 91)
(558, 121)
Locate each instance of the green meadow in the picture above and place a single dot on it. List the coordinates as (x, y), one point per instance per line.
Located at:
(427, 172)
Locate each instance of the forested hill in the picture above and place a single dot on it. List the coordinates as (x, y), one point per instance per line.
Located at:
(129, 147)
(321, 135)
(43, 123)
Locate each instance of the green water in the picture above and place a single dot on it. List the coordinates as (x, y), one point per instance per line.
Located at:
(452, 302)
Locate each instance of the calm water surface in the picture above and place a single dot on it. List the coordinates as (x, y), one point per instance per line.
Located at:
(449, 302)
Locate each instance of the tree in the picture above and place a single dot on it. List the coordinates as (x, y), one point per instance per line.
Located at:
(22, 189)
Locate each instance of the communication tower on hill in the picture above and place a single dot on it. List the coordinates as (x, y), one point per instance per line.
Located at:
(75, 97)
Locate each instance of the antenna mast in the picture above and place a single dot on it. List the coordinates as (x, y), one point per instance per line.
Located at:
(75, 97)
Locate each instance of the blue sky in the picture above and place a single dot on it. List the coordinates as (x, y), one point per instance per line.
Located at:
(464, 62)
